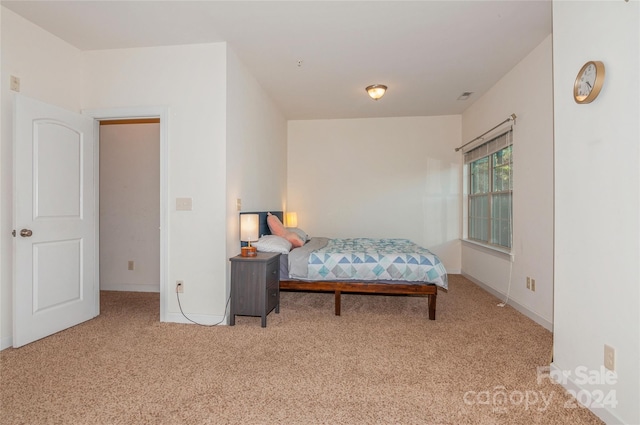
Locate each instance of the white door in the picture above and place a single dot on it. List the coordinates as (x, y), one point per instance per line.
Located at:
(55, 284)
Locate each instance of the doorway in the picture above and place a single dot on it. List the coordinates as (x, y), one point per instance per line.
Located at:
(129, 207)
(119, 276)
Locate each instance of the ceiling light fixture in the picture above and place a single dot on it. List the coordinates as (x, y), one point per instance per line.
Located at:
(376, 91)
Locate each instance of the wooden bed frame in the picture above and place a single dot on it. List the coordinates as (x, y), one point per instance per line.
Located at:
(428, 289)
(421, 289)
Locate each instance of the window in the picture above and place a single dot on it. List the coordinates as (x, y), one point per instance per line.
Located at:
(490, 191)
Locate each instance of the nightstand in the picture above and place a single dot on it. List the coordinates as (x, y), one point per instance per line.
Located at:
(255, 286)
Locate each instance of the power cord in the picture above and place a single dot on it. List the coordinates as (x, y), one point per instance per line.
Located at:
(511, 256)
(202, 324)
(502, 304)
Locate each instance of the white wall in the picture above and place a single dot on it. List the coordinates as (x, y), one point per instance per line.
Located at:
(527, 91)
(383, 177)
(256, 149)
(49, 70)
(191, 81)
(597, 199)
(130, 207)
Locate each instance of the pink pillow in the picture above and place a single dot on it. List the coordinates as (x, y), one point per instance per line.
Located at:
(277, 228)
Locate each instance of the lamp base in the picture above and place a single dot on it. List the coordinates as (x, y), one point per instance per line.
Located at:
(248, 251)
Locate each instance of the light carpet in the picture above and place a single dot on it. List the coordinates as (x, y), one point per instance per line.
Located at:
(381, 362)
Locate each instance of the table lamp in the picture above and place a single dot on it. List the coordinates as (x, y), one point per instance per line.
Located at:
(292, 219)
(249, 232)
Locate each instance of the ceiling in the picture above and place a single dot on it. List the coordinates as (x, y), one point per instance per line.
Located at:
(315, 58)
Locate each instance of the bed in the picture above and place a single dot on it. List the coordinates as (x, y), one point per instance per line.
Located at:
(357, 265)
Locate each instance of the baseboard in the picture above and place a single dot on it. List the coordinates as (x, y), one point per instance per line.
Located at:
(200, 319)
(568, 383)
(130, 288)
(6, 342)
(522, 309)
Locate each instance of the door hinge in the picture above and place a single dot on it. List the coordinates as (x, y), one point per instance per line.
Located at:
(14, 233)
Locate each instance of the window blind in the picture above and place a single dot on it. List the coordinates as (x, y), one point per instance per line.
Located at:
(493, 145)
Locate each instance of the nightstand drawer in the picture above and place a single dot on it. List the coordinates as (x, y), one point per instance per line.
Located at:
(273, 296)
(273, 272)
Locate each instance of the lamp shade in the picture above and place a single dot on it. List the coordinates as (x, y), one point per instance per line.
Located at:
(249, 227)
(376, 91)
(292, 219)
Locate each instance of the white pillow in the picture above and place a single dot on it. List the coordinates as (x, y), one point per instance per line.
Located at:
(272, 243)
(303, 235)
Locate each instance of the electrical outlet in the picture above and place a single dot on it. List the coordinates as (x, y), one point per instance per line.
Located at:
(130, 265)
(609, 357)
(528, 282)
(533, 285)
(180, 286)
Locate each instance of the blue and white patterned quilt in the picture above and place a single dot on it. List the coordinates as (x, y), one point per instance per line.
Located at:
(375, 259)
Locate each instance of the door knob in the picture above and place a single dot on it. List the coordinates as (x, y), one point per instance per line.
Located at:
(25, 233)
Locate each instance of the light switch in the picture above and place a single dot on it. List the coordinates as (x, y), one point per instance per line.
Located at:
(184, 204)
(15, 83)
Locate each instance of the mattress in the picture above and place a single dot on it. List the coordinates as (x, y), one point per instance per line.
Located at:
(363, 260)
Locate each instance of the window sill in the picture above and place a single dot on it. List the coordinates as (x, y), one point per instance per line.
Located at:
(490, 249)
